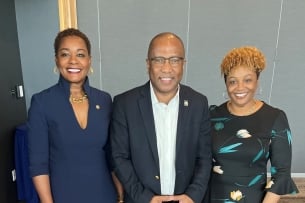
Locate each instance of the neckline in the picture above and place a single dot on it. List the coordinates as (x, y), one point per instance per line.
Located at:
(256, 108)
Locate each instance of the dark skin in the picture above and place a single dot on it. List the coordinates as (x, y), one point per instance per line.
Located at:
(73, 61)
(165, 80)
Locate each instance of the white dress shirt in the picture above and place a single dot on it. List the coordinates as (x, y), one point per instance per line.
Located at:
(166, 117)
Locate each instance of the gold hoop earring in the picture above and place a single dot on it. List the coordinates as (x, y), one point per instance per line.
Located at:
(55, 70)
(225, 95)
(259, 90)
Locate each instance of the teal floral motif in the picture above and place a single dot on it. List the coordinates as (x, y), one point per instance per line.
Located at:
(260, 153)
(267, 155)
(219, 126)
(288, 134)
(289, 137)
(252, 182)
(273, 133)
(224, 200)
(273, 170)
(255, 180)
(252, 142)
(219, 123)
(229, 149)
(221, 119)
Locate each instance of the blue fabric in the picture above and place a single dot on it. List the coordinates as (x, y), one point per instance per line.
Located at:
(74, 158)
(134, 145)
(25, 188)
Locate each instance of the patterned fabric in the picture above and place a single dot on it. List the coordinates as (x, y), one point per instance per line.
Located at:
(242, 146)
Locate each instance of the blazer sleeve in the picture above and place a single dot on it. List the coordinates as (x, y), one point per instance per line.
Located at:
(120, 150)
(200, 180)
(38, 140)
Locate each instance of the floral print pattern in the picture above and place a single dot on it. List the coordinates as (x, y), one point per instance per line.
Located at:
(236, 195)
(242, 146)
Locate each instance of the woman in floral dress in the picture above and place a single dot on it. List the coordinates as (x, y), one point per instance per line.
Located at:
(246, 134)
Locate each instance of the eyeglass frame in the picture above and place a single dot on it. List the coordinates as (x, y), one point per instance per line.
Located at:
(164, 59)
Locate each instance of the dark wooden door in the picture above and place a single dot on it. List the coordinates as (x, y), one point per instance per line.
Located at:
(12, 102)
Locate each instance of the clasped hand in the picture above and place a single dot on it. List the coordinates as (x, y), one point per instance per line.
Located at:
(165, 198)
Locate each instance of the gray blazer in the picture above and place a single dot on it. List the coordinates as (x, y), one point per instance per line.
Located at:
(134, 145)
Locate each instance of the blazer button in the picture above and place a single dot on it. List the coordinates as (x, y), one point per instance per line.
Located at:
(157, 177)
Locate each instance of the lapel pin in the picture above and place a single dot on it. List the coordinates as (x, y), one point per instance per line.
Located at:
(186, 103)
(97, 107)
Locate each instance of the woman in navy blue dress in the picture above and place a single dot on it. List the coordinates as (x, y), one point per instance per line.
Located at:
(68, 130)
(246, 134)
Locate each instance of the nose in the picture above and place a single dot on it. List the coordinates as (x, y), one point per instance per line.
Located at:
(166, 67)
(240, 85)
(73, 59)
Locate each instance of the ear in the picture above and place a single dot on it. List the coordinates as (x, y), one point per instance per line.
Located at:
(184, 63)
(89, 61)
(259, 88)
(147, 64)
(56, 61)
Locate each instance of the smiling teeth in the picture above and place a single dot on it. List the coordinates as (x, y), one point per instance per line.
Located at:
(241, 94)
(165, 78)
(74, 70)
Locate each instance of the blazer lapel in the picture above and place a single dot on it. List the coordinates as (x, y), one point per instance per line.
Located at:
(183, 113)
(145, 106)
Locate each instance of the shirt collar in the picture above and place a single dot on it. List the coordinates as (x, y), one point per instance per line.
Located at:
(154, 99)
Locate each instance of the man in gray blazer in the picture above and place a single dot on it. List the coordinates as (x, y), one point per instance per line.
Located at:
(160, 132)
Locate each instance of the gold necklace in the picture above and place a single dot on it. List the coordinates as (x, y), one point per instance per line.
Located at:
(248, 112)
(78, 99)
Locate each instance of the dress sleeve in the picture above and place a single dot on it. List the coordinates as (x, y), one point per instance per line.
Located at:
(280, 156)
(38, 140)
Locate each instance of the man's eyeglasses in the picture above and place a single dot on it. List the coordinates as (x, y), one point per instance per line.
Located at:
(173, 61)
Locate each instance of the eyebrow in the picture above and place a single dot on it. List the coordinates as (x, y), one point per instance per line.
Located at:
(66, 49)
(173, 56)
(241, 76)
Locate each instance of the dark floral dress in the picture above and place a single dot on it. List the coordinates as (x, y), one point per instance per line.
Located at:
(242, 146)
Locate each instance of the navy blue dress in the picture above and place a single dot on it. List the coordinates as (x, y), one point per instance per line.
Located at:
(242, 146)
(74, 158)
